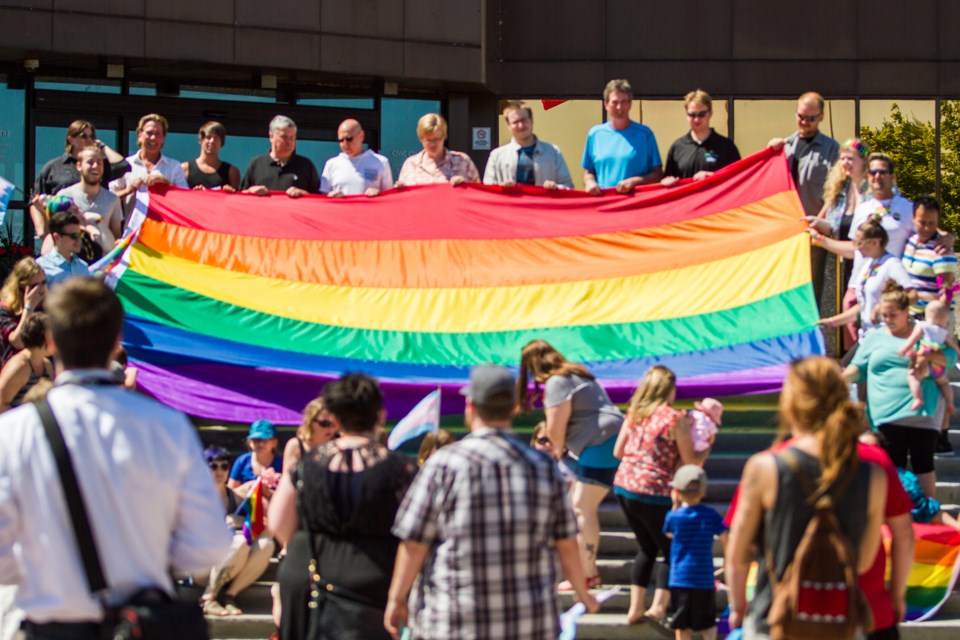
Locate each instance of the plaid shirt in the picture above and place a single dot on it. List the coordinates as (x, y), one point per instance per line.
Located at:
(491, 510)
(421, 169)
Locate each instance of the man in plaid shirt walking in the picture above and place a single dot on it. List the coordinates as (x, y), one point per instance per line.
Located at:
(484, 522)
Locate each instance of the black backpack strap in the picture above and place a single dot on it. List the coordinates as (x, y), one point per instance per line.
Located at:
(75, 504)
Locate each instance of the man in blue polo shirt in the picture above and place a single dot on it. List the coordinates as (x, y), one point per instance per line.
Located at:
(620, 153)
(62, 262)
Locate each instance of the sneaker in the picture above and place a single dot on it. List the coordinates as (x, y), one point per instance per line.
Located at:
(944, 448)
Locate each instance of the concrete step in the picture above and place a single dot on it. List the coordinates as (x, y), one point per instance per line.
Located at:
(248, 625)
(612, 626)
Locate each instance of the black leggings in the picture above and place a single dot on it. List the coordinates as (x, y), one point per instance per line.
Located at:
(917, 442)
(646, 521)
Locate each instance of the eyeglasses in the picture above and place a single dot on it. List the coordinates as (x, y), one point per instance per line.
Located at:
(879, 172)
(86, 136)
(810, 119)
(345, 139)
(543, 440)
(221, 465)
(326, 424)
(76, 235)
(698, 114)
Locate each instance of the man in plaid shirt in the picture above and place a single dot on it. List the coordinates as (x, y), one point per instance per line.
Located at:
(485, 521)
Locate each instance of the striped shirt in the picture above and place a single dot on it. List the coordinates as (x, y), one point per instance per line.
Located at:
(924, 265)
(691, 530)
(491, 509)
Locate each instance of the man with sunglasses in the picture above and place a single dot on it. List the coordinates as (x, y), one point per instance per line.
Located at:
(63, 262)
(811, 154)
(355, 171)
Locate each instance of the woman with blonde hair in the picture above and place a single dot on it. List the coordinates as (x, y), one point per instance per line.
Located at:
(582, 424)
(436, 163)
(654, 441)
(22, 294)
(315, 429)
(778, 490)
(433, 441)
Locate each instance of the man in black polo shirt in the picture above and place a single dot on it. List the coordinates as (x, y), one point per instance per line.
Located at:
(702, 151)
(281, 169)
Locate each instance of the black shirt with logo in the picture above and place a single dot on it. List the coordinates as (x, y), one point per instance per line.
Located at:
(687, 156)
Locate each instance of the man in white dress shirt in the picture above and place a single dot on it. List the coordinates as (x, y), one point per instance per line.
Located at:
(149, 166)
(148, 494)
(355, 171)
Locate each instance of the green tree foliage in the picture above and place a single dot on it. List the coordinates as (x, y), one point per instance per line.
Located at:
(912, 145)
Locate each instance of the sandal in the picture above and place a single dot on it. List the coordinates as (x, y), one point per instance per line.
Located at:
(230, 606)
(213, 608)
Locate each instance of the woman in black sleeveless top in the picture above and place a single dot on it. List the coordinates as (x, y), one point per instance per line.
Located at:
(773, 511)
(336, 509)
(209, 171)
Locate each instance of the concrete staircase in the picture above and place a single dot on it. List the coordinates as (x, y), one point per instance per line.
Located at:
(749, 426)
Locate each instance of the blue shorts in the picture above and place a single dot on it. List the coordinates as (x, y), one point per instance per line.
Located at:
(596, 464)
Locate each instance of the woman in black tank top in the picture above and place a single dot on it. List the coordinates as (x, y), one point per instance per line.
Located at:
(208, 171)
(773, 510)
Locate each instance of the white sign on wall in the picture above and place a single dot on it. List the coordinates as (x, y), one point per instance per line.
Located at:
(481, 138)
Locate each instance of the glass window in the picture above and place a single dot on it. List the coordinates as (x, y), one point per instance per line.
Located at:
(236, 95)
(757, 121)
(48, 143)
(398, 128)
(565, 125)
(12, 126)
(82, 87)
(319, 151)
(339, 103)
(143, 89)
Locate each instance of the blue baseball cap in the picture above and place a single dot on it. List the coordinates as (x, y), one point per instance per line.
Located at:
(262, 430)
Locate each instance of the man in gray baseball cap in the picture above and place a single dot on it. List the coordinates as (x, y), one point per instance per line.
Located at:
(447, 525)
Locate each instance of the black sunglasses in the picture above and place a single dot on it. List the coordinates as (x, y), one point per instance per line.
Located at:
(810, 119)
(543, 440)
(345, 139)
(221, 465)
(698, 114)
(326, 424)
(879, 172)
(77, 235)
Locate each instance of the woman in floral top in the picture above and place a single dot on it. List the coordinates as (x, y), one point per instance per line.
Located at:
(654, 442)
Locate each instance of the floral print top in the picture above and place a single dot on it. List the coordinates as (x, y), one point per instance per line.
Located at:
(650, 457)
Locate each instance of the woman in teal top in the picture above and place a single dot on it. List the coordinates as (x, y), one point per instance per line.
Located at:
(908, 433)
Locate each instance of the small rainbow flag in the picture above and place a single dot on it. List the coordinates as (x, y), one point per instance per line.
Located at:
(241, 307)
(253, 506)
(936, 563)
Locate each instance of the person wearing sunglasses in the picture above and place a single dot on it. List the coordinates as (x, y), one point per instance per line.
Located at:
(244, 563)
(63, 171)
(702, 151)
(63, 263)
(811, 154)
(315, 429)
(355, 171)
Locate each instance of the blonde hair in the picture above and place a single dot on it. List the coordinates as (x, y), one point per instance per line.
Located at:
(538, 430)
(16, 283)
(433, 441)
(153, 117)
(838, 180)
(895, 294)
(654, 390)
(816, 400)
(698, 96)
(539, 360)
(431, 123)
(620, 86)
(936, 311)
(310, 412)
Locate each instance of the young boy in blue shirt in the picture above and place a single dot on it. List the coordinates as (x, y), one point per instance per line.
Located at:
(692, 527)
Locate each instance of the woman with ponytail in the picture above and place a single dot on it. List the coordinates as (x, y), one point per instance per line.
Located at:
(910, 434)
(816, 411)
(582, 425)
(878, 268)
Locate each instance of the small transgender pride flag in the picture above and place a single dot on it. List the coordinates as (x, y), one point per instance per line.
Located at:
(422, 419)
(6, 192)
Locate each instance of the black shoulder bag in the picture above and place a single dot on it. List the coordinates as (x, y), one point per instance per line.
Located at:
(150, 613)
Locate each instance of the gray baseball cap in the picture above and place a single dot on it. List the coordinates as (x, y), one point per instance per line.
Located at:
(491, 385)
(690, 478)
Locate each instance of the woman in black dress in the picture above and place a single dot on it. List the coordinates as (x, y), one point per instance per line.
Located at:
(335, 512)
(209, 171)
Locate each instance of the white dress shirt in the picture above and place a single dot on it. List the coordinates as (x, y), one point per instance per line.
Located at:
(167, 167)
(149, 497)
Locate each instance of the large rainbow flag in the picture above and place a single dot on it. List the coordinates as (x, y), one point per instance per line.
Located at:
(241, 307)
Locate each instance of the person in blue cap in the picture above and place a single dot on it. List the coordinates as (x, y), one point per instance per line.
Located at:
(262, 461)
